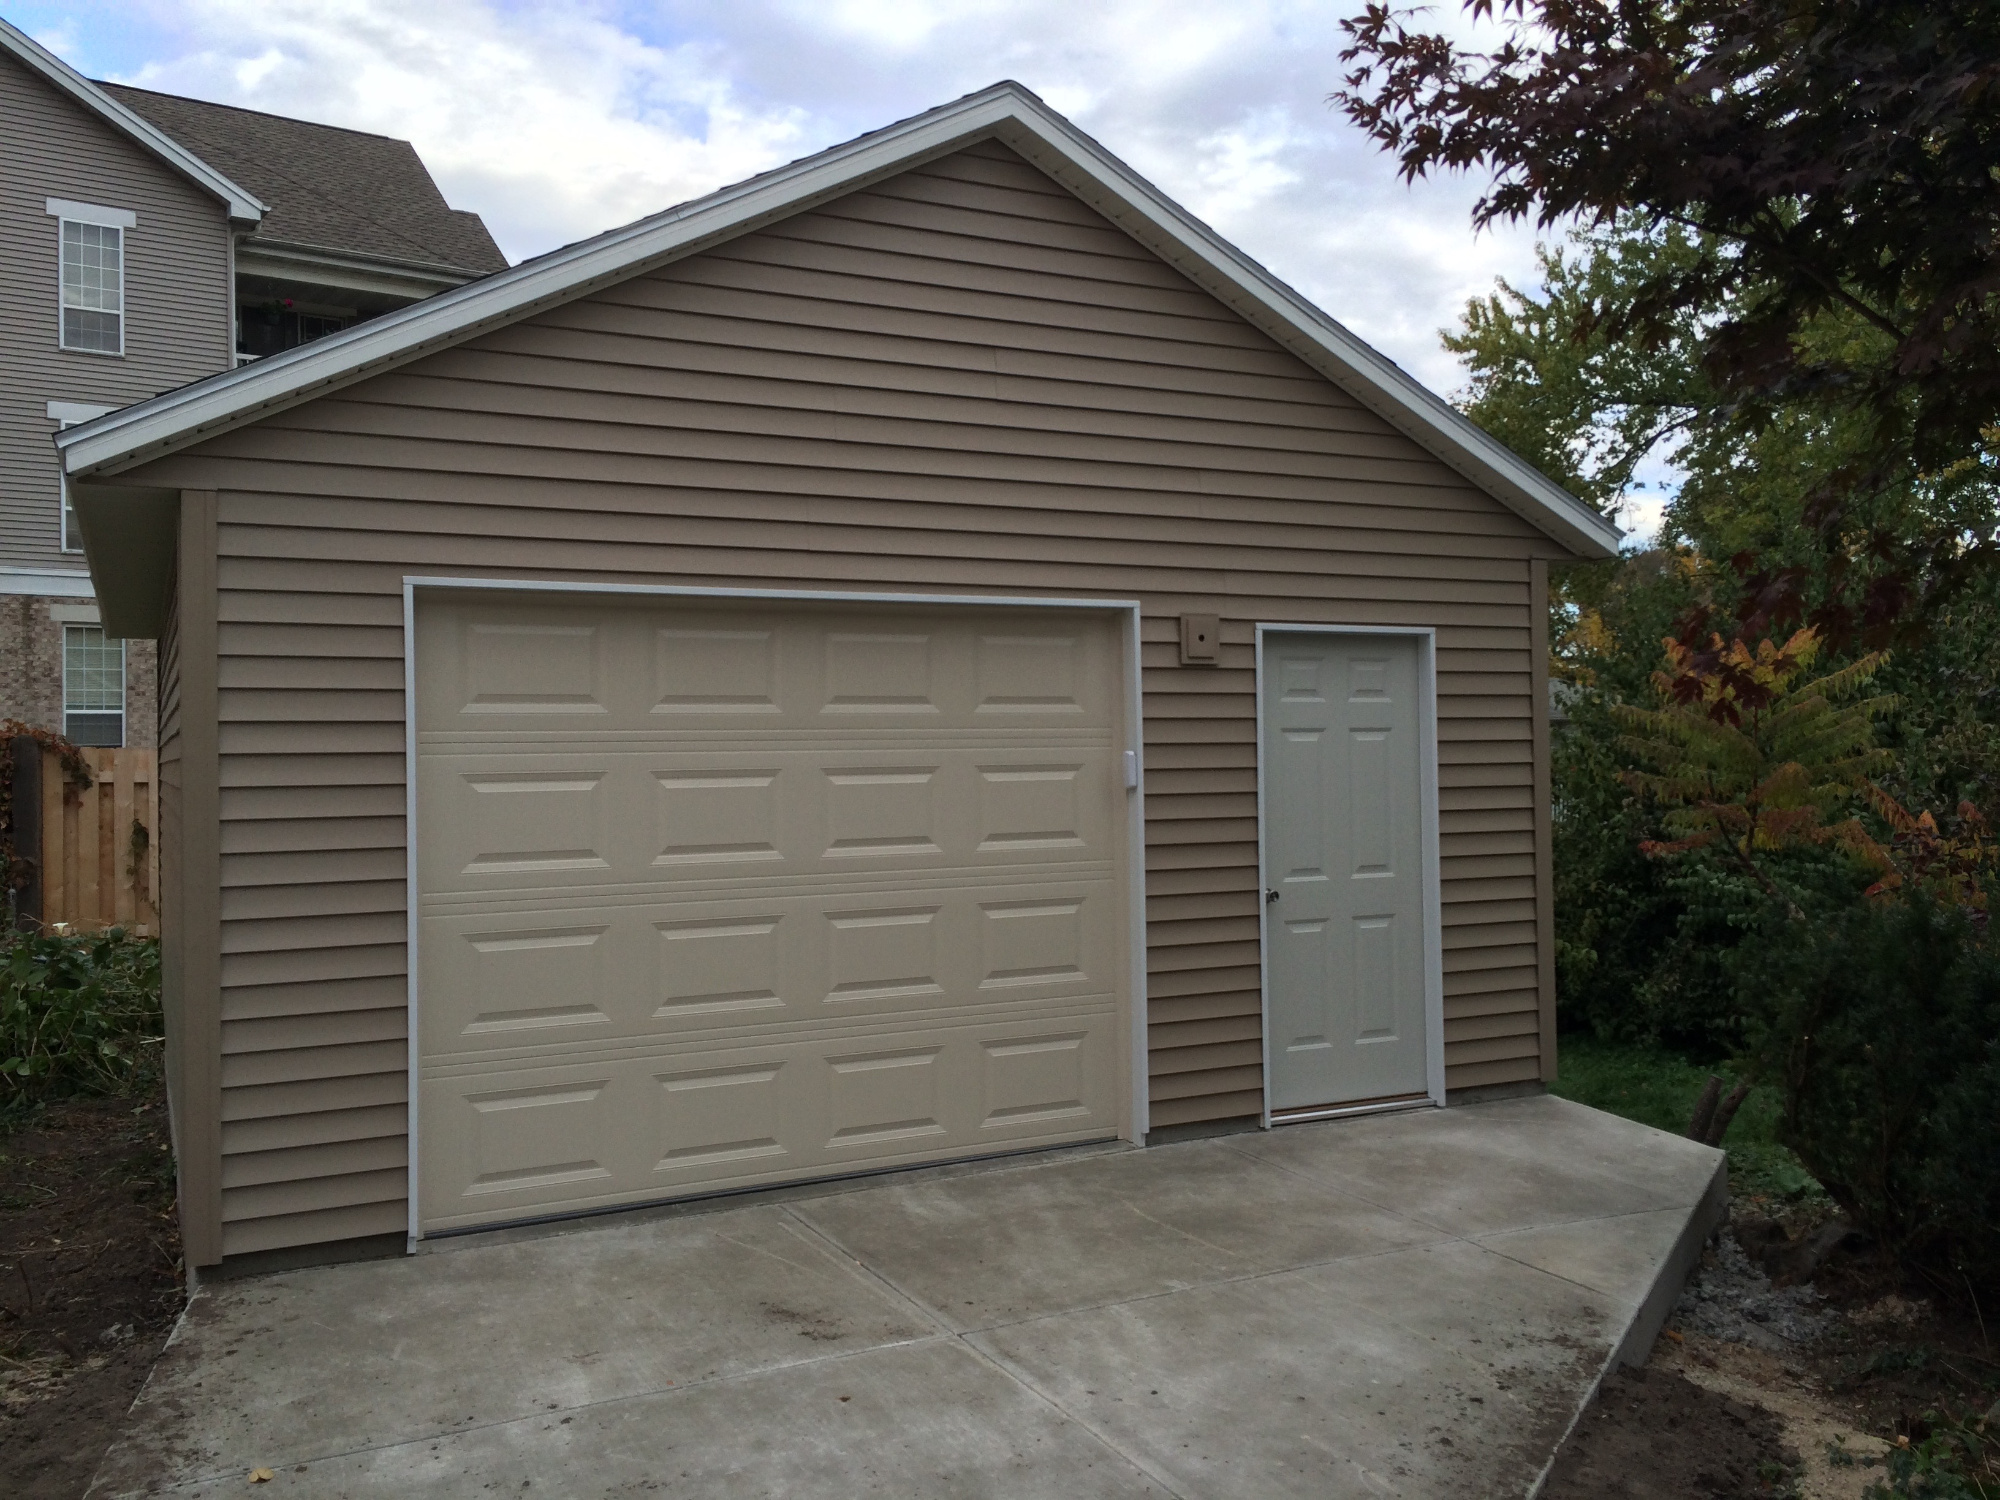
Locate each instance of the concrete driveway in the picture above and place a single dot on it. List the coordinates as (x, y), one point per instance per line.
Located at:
(1411, 1305)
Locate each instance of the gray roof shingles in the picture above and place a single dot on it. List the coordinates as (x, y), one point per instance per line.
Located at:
(326, 187)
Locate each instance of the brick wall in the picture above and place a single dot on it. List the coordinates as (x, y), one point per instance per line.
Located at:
(142, 694)
(31, 670)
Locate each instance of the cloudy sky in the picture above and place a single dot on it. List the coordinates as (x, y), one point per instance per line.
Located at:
(556, 120)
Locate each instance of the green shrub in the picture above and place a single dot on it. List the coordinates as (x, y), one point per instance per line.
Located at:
(78, 1015)
(1614, 911)
(1882, 1034)
(1649, 950)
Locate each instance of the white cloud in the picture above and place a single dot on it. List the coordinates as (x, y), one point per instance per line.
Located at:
(1243, 166)
(552, 122)
(556, 120)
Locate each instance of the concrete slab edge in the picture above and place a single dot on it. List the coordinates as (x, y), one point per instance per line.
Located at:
(173, 1338)
(1650, 1316)
(1672, 1276)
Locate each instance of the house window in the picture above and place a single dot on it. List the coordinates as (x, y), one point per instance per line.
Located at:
(92, 297)
(72, 536)
(68, 414)
(267, 328)
(93, 287)
(93, 686)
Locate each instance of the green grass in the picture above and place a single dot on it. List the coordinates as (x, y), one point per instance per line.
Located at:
(1659, 1088)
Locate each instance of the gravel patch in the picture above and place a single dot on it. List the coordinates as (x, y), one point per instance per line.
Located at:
(1729, 1297)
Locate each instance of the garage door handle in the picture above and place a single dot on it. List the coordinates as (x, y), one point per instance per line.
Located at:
(1269, 897)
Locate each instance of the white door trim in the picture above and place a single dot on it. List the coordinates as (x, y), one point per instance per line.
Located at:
(1432, 883)
(1134, 757)
(414, 1033)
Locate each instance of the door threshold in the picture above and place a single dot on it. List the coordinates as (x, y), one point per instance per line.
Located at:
(1300, 1115)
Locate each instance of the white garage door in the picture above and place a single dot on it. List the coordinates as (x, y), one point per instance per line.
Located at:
(718, 894)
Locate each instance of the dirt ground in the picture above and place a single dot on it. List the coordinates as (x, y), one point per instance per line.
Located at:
(1713, 1417)
(1652, 1434)
(90, 1284)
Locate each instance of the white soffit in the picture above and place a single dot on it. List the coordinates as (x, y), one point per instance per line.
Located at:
(243, 206)
(1005, 112)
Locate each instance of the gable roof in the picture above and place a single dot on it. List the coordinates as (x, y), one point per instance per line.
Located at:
(242, 205)
(1005, 112)
(326, 187)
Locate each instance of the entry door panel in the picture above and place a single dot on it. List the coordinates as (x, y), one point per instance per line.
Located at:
(712, 895)
(1344, 912)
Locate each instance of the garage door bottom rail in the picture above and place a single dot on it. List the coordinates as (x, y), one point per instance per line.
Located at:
(804, 1186)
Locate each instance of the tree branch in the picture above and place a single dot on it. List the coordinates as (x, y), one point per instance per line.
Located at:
(1784, 252)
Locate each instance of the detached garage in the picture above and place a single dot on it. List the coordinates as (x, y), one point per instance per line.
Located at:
(925, 654)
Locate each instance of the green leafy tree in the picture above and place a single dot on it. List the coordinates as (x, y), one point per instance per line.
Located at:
(1838, 153)
(1547, 374)
(1557, 375)
(1754, 757)
(1550, 378)
(1786, 287)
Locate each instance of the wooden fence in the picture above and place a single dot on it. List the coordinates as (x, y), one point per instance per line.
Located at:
(101, 846)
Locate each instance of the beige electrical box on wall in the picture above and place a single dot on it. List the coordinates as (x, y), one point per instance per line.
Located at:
(1200, 640)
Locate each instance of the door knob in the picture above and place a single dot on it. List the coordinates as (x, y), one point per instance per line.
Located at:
(1269, 897)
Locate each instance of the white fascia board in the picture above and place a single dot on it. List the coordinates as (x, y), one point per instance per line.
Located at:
(242, 205)
(1006, 112)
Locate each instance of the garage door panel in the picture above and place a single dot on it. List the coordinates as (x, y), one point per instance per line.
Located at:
(593, 973)
(519, 662)
(707, 670)
(532, 822)
(727, 963)
(561, 1138)
(516, 667)
(539, 818)
(711, 896)
(716, 816)
(547, 1137)
(537, 978)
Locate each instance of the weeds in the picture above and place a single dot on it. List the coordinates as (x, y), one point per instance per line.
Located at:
(1952, 1458)
(78, 1015)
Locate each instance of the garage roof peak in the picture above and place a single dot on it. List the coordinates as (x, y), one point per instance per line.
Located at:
(1005, 112)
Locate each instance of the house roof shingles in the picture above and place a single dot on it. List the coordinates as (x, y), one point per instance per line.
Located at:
(328, 188)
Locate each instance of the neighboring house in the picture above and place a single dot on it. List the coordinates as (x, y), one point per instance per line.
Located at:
(925, 653)
(354, 225)
(147, 241)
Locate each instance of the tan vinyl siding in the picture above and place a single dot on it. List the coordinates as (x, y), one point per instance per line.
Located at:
(178, 307)
(172, 833)
(190, 883)
(959, 380)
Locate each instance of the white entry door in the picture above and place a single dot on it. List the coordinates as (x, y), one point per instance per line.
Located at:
(1343, 869)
